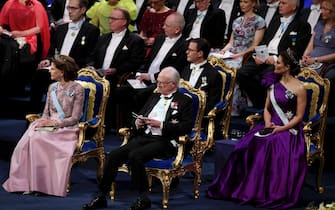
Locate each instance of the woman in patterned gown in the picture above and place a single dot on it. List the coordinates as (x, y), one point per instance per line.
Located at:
(247, 32)
(41, 159)
(269, 170)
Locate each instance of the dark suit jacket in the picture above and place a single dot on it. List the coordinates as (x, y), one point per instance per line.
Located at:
(173, 4)
(176, 56)
(82, 46)
(128, 56)
(296, 36)
(263, 9)
(178, 120)
(213, 88)
(212, 28)
(304, 14)
(235, 12)
(57, 9)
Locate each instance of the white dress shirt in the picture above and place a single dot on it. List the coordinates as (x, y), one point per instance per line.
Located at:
(195, 32)
(314, 15)
(273, 45)
(196, 70)
(113, 44)
(227, 7)
(71, 35)
(163, 51)
(159, 113)
(270, 12)
(182, 6)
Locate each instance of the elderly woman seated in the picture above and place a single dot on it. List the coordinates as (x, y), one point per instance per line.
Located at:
(320, 52)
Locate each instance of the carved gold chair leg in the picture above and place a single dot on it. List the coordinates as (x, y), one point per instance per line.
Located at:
(100, 168)
(166, 189)
(320, 188)
(112, 192)
(150, 182)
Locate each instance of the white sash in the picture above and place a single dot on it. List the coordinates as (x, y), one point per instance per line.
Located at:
(279, 111)
(56, 102)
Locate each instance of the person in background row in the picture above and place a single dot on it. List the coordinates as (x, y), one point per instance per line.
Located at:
(232, 10)
(201, 74)
(268, 10)
(320, 52)
(100, 11)
(25, 22)
(206, 22)
(42, 158)
(312, 14)
(75, 39)
(115, 54)
(152, 22)
(247, 32)
(181, 6)
(283, 32)
(168, 50)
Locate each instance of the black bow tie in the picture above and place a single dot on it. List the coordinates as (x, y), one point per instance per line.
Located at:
(166, 97)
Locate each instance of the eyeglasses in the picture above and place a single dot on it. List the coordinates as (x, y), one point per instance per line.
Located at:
(163, 83)
(115, 18)
(72, 8)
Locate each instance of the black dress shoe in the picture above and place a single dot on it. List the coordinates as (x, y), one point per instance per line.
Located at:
(98, 202)
(141, 204)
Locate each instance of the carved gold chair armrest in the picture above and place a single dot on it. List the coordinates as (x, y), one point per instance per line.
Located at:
(32, 117)
(251, 120)
(125, 135)
(180, 153)
(83, 126)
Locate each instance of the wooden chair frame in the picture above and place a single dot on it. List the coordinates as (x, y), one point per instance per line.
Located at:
(182, 163)
(82, 153)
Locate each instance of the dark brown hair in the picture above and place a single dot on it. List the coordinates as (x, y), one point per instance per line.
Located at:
(289, 58)
(67, 65)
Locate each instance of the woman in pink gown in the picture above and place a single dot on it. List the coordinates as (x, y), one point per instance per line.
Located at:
(41, 160)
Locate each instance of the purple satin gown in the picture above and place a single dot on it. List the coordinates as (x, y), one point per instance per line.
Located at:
(265, 171)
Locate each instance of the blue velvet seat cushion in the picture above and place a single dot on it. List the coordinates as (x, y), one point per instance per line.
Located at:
(88, 145)
(167, 163)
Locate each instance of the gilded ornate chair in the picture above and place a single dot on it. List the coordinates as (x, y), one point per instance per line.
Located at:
(91, 126)
(224, 107)
(315, 119)
(166, 169)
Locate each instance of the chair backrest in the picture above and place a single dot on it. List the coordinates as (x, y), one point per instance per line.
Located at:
(317, 93)
(316, 107)
(96, 94)
(199, 102)
(228, 75)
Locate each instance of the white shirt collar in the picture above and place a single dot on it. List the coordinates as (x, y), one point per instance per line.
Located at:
(76, 25)
(315, 7)
(197, 66)
(120, 34)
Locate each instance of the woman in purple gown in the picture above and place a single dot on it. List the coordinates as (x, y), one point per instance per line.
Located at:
(268, 170)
